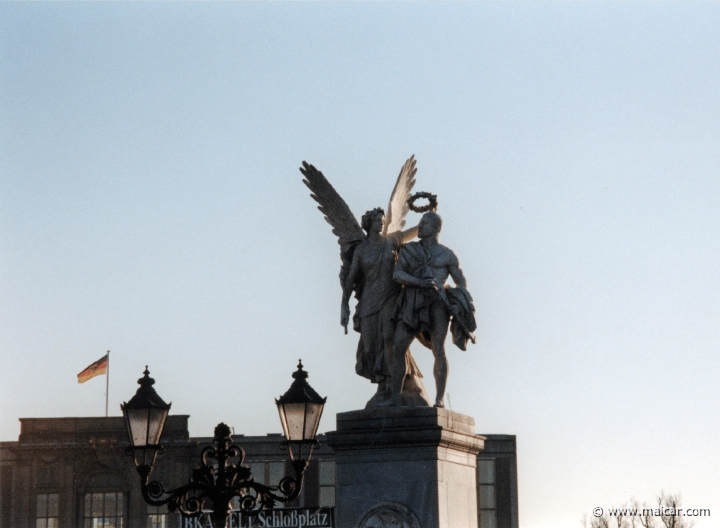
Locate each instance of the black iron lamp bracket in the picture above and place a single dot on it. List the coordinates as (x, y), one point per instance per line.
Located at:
(219, 482)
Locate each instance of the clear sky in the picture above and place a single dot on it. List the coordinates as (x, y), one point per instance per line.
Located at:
(151, 205)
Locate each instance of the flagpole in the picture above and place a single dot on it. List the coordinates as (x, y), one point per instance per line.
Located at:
(107, 384)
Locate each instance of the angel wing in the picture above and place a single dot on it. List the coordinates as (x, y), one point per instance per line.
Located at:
(337, 213)
(398, 207)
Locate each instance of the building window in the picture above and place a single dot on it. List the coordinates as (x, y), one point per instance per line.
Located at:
(327, 483)
(47, 510)
(157, 517)
(104, 510)
(487, 517)
(275, 473)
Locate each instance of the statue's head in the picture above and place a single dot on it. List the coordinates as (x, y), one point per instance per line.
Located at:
(372, 221)
(430, 225)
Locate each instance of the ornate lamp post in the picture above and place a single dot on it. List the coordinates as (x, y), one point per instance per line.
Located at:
(145, 416)
(300, 410)
(215, 484)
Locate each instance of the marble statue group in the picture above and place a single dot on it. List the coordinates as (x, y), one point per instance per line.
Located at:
(399, 284)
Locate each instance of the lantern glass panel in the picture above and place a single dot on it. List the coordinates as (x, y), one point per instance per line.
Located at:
(283, 421)
(294, 422)
(312, 420)
(137, 422)
(155, 425)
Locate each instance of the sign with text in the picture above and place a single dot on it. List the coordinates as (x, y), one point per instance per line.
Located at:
(281, 518)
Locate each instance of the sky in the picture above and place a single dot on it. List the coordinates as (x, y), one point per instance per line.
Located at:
(151, 205)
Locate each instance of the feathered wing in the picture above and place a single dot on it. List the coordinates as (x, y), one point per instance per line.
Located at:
(398, 207)
(337, 213)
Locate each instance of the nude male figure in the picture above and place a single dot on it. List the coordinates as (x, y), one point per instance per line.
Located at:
(425, 306)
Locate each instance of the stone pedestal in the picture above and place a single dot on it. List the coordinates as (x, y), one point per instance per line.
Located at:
(405, 467)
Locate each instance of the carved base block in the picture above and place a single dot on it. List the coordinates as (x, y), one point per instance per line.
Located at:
(412, 395)
(405, 467)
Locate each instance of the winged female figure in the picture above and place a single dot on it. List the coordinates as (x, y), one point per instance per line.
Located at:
(368, 251)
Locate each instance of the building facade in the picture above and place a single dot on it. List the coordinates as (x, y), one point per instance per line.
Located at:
(74, 473)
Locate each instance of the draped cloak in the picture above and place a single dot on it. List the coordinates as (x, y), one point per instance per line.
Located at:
(413, 304)
(377, 295)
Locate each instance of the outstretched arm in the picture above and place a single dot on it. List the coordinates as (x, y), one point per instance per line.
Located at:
(409, 234)
(403, 277)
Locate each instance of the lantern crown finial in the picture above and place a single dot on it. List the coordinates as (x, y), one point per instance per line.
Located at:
(146, 397)
(146, 380)
(300, 373)
(300, 391)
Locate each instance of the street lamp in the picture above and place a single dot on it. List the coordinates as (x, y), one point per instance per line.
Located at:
(145, 416)
(215, 484)
(300, 410)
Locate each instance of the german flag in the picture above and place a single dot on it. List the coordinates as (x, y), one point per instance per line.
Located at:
(96, 369)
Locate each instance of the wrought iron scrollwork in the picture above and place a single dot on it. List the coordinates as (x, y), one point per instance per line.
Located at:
(215, 484)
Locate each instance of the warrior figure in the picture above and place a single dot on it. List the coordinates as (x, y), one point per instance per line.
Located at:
(368, 261)
(426, 305)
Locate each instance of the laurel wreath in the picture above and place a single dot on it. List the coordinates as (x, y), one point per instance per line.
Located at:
(430, 206)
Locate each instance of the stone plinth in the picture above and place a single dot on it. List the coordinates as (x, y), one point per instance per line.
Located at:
(410, 467)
